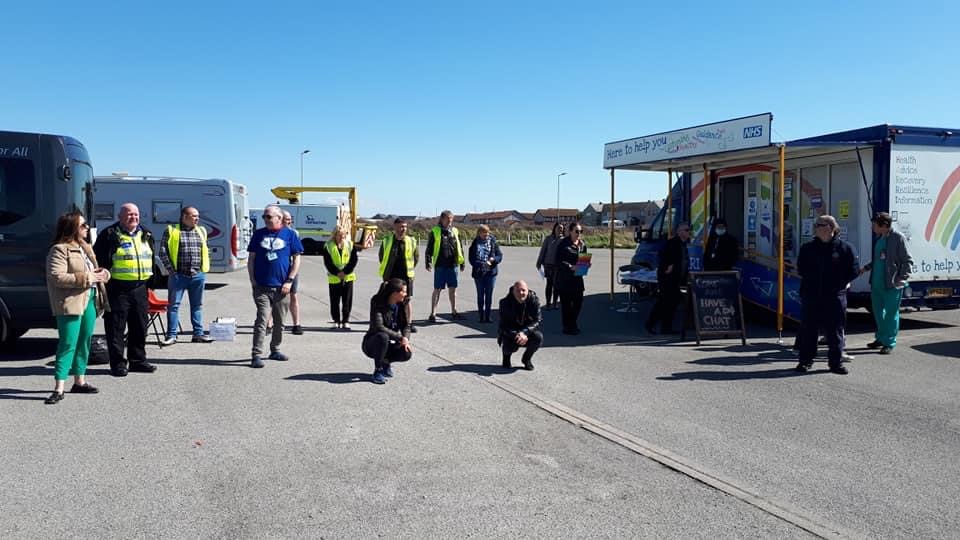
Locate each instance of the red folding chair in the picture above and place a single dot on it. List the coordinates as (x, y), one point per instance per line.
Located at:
(157, 310)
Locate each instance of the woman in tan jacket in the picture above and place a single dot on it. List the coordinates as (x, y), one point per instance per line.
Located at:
(77, 297)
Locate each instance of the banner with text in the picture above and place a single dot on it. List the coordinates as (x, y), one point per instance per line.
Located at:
(925, 205)
(739, 134)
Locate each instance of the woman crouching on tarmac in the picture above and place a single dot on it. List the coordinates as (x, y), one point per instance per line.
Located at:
(388, 338)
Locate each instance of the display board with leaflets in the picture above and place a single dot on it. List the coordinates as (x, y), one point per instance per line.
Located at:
(717, 306)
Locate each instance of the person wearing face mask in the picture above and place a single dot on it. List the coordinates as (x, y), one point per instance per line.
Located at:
(672, 273)
(722, 248)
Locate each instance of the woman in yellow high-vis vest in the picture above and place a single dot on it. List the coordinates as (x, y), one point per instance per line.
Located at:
(340, 259)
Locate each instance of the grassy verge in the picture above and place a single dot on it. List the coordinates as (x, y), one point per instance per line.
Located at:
(595, 237)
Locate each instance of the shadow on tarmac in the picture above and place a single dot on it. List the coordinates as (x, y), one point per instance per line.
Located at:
(30, 348)
(245, 362)
(14, 393)
(944, 348)
(332, 378)
(484, 370)
(738, 375)
(23, 371)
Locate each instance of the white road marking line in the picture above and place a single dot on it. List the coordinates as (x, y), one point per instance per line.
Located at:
(787, 512)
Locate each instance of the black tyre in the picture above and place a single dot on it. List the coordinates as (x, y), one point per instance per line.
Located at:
(311, 246)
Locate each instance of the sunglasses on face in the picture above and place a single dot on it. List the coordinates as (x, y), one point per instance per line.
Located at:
(820, 225)
(578, 231)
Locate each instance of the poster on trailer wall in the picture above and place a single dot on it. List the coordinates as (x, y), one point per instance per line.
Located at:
(925, 205)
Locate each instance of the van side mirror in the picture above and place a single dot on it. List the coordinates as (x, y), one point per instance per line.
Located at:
(65, 173)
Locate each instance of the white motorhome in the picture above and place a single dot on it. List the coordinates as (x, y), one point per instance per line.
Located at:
(222, 205)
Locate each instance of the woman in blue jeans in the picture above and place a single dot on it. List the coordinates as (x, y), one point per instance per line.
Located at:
(485, 257)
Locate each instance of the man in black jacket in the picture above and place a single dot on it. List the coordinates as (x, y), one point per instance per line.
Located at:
(126, 249)
(520, 324)
(673, 270)
(826, 266)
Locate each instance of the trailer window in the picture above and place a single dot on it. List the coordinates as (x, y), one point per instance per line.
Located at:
(18, 190)
(166, 212)
(103, 212)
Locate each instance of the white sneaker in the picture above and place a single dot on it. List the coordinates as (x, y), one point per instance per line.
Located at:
(846, 357)
(168, 341)
(346, 326)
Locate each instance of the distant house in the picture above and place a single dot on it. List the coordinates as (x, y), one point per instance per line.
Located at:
(550, 215)
(504, 217)
(630, 213)
(592, 214)
(527, 216)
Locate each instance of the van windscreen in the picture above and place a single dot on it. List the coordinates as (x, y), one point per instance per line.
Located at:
(18, 189)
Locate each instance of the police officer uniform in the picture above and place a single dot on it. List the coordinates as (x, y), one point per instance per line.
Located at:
(129, 257)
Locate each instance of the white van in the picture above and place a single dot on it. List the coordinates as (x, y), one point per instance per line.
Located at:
(617, 224)
(222, 205)
(316, 222)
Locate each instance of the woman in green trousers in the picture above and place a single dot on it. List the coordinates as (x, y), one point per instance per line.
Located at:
(77, 297)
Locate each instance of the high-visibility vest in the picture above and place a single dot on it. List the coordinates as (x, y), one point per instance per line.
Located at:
(133, 259)
(340, 259)
(173, 246)
(409, 248)
(436, 244)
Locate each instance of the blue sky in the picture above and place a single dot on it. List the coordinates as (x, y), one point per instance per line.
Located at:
(467, 106)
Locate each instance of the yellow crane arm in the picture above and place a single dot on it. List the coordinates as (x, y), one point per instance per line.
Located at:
(292, 195)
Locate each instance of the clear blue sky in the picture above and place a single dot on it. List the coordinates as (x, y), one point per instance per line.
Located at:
(460, 105)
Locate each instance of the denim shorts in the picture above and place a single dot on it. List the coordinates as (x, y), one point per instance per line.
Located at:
(446, 277)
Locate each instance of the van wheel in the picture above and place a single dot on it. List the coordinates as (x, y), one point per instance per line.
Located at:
(310, 246)
(8, 334)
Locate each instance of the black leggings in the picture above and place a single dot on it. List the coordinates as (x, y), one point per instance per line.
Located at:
(341, 294)
(384, 352)
(553, 293)
(571, 301)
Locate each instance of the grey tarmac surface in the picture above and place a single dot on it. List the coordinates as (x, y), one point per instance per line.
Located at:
(309, 448)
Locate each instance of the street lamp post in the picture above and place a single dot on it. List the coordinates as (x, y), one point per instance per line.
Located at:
(301, 172)
(558, 195)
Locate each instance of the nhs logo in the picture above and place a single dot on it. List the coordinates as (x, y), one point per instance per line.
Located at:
(752, 131)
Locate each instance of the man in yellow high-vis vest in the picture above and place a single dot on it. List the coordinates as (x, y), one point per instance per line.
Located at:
(186, 259)
(445, 256)
(126, 250)
(398, 257)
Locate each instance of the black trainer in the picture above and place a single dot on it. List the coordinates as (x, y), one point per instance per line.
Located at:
(54, 398)
(874, 344)
(803, 367)
(839, 370)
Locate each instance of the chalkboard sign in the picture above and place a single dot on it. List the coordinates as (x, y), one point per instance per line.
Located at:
(717, 307)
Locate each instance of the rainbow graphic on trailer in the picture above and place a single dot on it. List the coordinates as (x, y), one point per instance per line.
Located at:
(944, 223)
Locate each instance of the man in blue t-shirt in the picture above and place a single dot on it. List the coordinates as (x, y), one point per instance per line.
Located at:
(273, 265)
